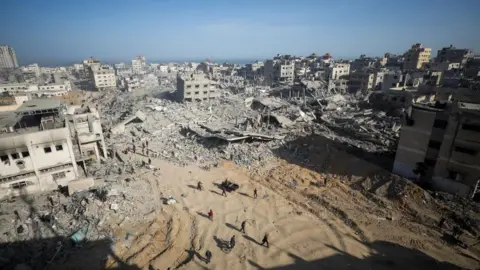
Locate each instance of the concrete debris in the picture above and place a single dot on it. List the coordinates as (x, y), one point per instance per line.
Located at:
(80, 185)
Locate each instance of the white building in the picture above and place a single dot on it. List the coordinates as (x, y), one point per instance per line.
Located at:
(338, 71)
(33, 68)
(18, 88)
(8, 58)
(138, 64)
(36, 150)
(163, 68)
(104, 77)
(279, 71)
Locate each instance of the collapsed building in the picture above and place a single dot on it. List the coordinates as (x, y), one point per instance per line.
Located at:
(41, 144)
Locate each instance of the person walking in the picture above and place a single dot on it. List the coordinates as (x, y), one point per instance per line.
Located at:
(210, 214)
(199, 185)
(208, 255)
(224, 193)
(232, 242)
(441, 222)
(134, 148)
(149, 161)
(242, 227)
(265, 240)
(255, 193)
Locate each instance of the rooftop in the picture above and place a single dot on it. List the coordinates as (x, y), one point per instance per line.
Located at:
(38, 105)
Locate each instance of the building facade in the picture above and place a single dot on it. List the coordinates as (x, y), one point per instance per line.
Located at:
(338, 71)
(416, 57)
(454, 55)
(441, 145)
(36, 151)
(8, 58)
(138, 64)
(103, 77)
(196, 87)
(279, 71)
(361, 81)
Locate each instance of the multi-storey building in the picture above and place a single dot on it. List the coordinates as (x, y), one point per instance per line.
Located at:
(36, 150)
(89, 65)
(363, 62)
(104, 77)
(138, 64)
(454, 55)
(86, 132)
(441, 144)
(361, 81)
(338, 71)
(279, 71)
(195, 86)
(416, 57)
(33, 68)
(8, 58)
(41, 143)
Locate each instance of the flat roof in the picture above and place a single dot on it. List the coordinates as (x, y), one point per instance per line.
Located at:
(38, 105)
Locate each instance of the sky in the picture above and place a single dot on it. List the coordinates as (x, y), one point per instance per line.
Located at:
(52, 32)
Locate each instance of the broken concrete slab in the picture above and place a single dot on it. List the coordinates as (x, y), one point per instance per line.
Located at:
(80, 185)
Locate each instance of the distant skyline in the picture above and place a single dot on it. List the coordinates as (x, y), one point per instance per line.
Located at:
(55, 32)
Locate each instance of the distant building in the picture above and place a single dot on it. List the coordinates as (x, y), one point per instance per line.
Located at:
(416, 57)
(33, 68)
(338, 71)
(363, 62)
(361, 81)
(442, 144)
(279, 71)
(8, 58)
(90, 64)
(104, 77)
(138, 64)
(454, 55)
(195, 86)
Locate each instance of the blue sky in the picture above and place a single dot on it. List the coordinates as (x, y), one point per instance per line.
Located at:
(52, 31)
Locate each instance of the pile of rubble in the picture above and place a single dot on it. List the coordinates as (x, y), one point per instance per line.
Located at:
(239, 127)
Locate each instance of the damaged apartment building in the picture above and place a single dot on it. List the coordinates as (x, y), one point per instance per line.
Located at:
(440, 144)
(196, 87)
(279, 71)
(40, 145)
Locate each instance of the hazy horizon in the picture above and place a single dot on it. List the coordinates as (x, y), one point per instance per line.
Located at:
(54, 32)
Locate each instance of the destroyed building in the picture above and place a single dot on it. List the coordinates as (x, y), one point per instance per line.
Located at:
(104, 77)
(36, 149)
(279, 71)
(195, 86)
(86, 131)
(441, 144)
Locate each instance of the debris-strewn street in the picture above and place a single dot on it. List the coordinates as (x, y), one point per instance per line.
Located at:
(325, 197)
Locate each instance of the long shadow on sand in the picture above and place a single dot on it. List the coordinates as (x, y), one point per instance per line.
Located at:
(385, 256)
(231, 226)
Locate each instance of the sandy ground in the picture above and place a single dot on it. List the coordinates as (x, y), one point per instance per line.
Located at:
(332, 227)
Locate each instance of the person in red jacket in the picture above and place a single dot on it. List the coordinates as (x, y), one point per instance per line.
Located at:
(210, 214)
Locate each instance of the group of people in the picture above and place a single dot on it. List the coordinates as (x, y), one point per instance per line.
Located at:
(208, 253)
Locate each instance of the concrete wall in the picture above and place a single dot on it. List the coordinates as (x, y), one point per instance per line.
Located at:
(42, 160)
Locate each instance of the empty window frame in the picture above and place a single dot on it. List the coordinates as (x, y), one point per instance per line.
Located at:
(59, 175)
(465, 150)
(434, 144)
(15, 155)
(47, 149)
(59, 147)
(471, 127)
(440, 124)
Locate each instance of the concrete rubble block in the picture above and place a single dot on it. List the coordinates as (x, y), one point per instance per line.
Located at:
(79, 185)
